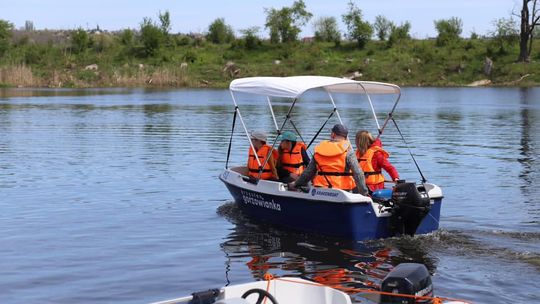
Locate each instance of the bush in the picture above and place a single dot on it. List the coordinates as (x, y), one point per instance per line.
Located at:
(449, 30)
(80, 41)
(326, 30)
(219, 32)
(399, 34)
(190, 56)
(152, 38)
(182, 40)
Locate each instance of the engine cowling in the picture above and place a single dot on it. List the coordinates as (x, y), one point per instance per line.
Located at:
(410, 204)
(410, 279)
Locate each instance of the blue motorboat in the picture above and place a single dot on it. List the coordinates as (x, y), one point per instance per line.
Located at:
(404, 208)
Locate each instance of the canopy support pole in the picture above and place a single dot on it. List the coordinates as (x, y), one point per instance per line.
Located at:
(273, 116)
(389, 115)
(246, 130)
(407, 145)
(230, 141)
(372, 108)
(278, 130)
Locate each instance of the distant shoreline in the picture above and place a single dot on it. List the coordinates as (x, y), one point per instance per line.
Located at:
(191, 64)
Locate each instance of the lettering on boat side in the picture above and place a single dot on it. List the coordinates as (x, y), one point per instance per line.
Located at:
(323, 193)
(225, 175)
(257, 200)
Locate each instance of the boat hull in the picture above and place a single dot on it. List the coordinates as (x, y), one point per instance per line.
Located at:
(352, 220)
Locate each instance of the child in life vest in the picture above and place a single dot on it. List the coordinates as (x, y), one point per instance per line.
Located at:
(372, 159)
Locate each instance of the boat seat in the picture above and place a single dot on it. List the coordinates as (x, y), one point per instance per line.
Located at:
(242, 170)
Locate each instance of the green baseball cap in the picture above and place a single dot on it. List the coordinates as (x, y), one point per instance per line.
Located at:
(288, 135)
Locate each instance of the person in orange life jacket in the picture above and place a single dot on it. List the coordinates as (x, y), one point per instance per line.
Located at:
(258, 139)
(373, 159)
(334, 165)
(292, 158)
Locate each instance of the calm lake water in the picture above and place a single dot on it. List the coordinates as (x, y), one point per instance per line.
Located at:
(112, 196)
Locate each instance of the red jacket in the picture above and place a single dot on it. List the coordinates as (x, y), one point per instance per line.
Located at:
(380, 161)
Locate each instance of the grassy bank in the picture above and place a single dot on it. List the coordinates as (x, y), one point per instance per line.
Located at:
(191, 63)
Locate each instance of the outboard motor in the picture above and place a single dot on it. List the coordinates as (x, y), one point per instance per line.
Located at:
(410, 204)
(407, 278)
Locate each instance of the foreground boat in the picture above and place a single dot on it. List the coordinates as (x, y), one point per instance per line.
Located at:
(274, 291)
(405, 208)
(407, 283)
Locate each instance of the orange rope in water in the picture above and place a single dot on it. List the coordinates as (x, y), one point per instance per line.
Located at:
(435, 300)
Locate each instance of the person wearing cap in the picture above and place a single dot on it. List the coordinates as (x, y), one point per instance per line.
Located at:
(264, 151)
(292, 158)
(334, 165)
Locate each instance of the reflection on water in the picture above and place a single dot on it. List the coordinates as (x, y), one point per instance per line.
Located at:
(333, 262)
(261, 248)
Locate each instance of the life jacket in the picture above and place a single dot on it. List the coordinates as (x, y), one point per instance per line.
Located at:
(292, 161)
(372, 177)
(331, 162)
(253, 165)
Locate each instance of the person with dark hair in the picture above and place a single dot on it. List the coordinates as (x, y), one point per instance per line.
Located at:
(292, 157)
(372, 159)
(264, 151)
(334, 165)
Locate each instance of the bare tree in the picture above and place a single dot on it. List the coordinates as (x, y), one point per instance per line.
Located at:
(530, 17)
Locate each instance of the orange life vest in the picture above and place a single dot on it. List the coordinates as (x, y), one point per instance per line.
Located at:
(253, 165)
(372, 177)
(331, 162)
(292, 161)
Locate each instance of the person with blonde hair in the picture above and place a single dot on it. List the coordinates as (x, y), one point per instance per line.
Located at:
(372, 159)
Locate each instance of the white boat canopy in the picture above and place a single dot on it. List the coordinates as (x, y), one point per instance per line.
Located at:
(294, 86)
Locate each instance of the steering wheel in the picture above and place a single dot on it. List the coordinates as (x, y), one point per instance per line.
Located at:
(262, 294)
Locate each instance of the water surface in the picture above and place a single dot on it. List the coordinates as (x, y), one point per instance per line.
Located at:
(112, 195)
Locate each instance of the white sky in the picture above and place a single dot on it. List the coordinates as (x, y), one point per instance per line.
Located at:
(195, 16)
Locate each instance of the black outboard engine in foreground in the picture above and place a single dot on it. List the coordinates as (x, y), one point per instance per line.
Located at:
(407, 278)
(410, 204)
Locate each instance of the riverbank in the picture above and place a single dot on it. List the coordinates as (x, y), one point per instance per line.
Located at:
(409, 63)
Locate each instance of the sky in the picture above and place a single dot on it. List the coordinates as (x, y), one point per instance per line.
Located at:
(196, 16)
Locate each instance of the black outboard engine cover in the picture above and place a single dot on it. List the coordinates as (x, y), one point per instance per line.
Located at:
(410, 206)
(407, 278)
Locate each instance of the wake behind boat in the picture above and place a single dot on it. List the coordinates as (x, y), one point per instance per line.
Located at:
(405, 208)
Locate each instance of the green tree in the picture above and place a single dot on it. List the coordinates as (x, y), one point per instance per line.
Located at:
(399, 33)
(251, 37)
(284, 24)
(80, 41)
(382, 27)
(326, 29)
(358, 29)
(448, 30)
(151, 37)
(219, 32)
(505, 33)
(165, 22)
(6, 29)
(126, 38)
